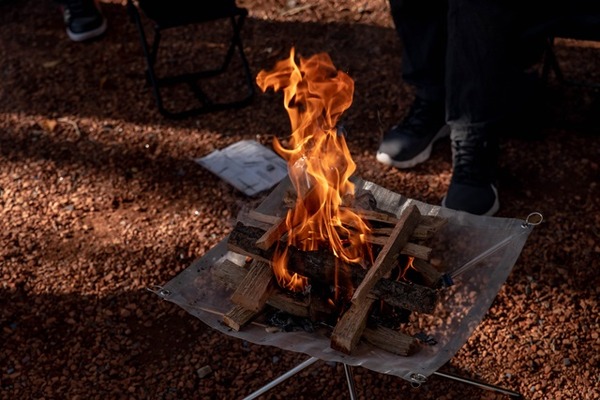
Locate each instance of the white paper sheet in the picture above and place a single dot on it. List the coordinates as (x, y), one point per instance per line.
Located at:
(246, 165)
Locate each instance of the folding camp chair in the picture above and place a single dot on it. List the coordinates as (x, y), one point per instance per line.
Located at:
(179, 13)
(576, 26)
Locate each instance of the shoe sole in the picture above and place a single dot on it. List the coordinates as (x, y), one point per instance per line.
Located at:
(419, 158)
(491, 211)
(80, 37)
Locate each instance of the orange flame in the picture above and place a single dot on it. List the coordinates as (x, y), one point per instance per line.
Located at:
(409, 265)
(319, 162)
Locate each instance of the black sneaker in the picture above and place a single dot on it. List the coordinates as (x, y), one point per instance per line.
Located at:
(472, 187)
(84, 19)
(410, 143)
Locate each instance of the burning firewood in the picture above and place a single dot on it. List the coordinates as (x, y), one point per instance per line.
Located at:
(321, 265)
(385, 260)
(231, 275)
(272, 235)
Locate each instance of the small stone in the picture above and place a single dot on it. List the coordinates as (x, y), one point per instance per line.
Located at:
(566, 361)
(204, 371)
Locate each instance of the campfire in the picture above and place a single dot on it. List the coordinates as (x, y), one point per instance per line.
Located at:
(422, 316)
(334, 259)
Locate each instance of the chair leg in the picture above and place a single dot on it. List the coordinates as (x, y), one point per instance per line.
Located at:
(551, 63)
(149, 54)
(245, 65)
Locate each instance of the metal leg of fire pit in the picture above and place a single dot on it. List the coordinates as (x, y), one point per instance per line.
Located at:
(350, 380)
(478, 384)
(294, 371)
(282, 378)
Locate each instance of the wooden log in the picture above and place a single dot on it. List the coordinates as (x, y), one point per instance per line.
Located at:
(272, 235)
(390, 340)
(237, 317)
(286, 303)
(377, 216)
(386, 258)
(409, 249)
(320, 266)
(242, 240)
(378, 240)
(416, 251)
(265, 218)
(349, 328)
(231, 275)
(430, 274)
(253, 291)
(428, 226)
(228, 273)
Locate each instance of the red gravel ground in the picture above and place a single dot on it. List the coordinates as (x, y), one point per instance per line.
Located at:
(100, 199)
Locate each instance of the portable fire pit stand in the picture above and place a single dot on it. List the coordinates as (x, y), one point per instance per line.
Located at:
(477, 254)
(416, 382)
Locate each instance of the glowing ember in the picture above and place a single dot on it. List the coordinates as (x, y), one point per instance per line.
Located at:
(319, 162)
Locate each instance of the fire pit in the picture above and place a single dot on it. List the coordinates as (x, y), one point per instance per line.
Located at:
(340, 268)
(477, 252)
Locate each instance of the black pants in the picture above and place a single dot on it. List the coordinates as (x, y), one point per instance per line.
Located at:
(472, 54)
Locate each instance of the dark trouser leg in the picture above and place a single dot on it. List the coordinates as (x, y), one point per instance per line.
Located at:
(485, 61)
(421, 25)
(484, 84)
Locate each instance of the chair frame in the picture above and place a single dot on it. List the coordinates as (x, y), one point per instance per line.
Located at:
(576, 26)
(150, 52)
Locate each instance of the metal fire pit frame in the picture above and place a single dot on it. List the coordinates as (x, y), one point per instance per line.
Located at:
(479, 253)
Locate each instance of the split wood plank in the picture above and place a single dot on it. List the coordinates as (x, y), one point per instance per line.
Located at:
(253, 291)
(390, 340)
(272, 235)
(237, 317)
(432, 276)
(371, 215)
(409, 249)
(428, 226)
(261, 217)
(416, 251)
(231, 276)
(386, 258)
(350, 327)
(228, 273)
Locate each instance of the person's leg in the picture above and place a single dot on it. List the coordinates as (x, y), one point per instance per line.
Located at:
(484, 84)
(421, 26)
